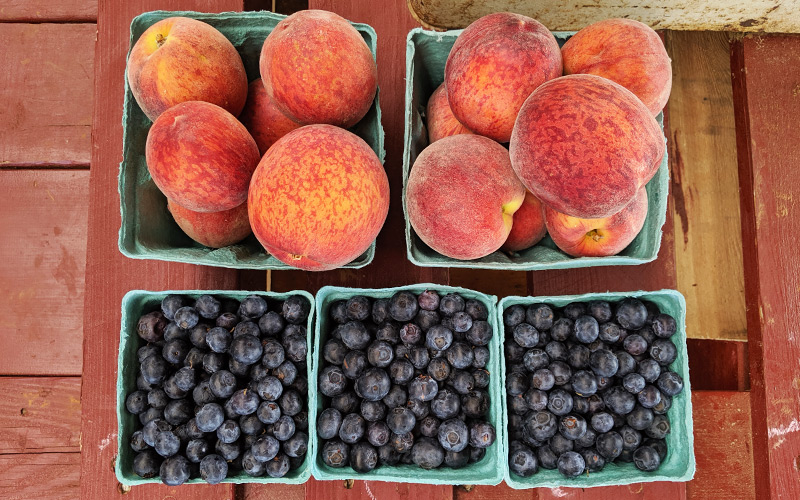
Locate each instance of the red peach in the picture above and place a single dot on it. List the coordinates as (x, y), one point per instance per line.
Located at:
(201, 157)
(461, 196)
(318, 69)
(495, 64)
(180, 59)
(441, 121)
(318, 198)
(262, 118)
(212, 229)
(598, 237)
(585, 145)
(528, 226)
(626, 51)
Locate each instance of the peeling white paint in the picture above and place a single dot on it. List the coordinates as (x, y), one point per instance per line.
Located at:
(558, 492)
(107, 441)
(369, 491)
(793, 426)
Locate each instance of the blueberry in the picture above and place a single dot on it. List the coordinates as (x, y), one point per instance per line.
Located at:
(522, 461)
(295, 348)
(543, 379)
(516, 383)
(397, 397)
(456, 460)
(178, 412)
(446, 404)
(640, 418)
(439, 338)
(346, 402)
(295, 309)
(209, 417)
(587, 440)
(284, 428)
(586, 329)
(633, 383)
(602, 422)
(374, 384)
(174, 470)
(600, 310)
(571, 464)
(296, 446)
(635, 345)
(246, 328)
(561, 372)
(352, 428)
(196, 449)
(594, 460)
(660, 445)
(663, 351)
(626, 363)
(557, 351)
(451, 304)
(403, 306)
(336, 454)
(338, 312)
(222, 383)
(363, 457)
(664, 326)
(514, 315)
(252, 307)
(438, 369)
(559, 444)
(387, 455)
(572, 426)
(227, 321)
(475, 404)
(659, 428)
(218, 339)
(373, 411)
(429, 426)
(186, 317)
(481, 434)
(631, 438)
(166, 443)
(645, 458)
(146, 351)
(462, 382)
(631, 314)
(574, 310)
(547, 458)
(151, 326)
(609, 445)
(514, 352)
(388, 332)
(207, 307)
(541, 425)
(247, 349)
(291, 402)
(265, 448)
(146, 464)
(380, 311)
(229, 431)
(428, 300)
(154, 369)
(269, 412)
(427, 453)
(378, 433)
(619, 400)
(625, 457)
(610, 333)
(649, 397)
(425, 320)
(535, 359)
(278, 466)
(401, 371)
(584, 383)
(136, 402)
(251, 425)
(273, 354)
(559, 402)
(380, 354)
(423, 388)
(526, 335)
(174, 332)
(358, 308)
(453, 435)
(481, 378)
(332, 381)
(459, 355)
(419, 357)
(355, 335)
(402, 442)
(649, 369)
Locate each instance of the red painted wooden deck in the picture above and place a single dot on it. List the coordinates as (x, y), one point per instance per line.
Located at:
(729, 246)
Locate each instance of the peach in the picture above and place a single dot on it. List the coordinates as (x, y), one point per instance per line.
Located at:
(461, 196)
(262, 118)
(528, 227)
(598, 237)
(201, 157)
(212, 229)
(626, 51)
(318, 198)
(318, 69)
(180, 59)
(585, 145)
(441, 121)
(495, 64)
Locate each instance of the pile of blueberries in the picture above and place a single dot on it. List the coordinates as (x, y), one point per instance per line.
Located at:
(588, 385)
(404, 381)
(221, 389)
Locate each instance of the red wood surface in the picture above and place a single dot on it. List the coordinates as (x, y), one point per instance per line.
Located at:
(43, 217)
(723, 447)
(718, 365)
(375, 490)
(639, 491)
(766, 78)
(48, 10)
(46, 100)
(500, 492)
(38, 476)
(110, 274)
(40, 414)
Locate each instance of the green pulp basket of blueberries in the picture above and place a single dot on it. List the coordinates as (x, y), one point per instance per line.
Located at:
(654, 442)
(393, 326)
(234, 345)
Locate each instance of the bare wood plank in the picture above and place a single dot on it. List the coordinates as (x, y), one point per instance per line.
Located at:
(48, 10)
(500, 283)
(766, 94)
(110, 275)
(718, 365)
(40, 476)
(705, 185)
(723, 447)
(42, 261)
(372, 490)
(716, 15)
(40, 415)
(46, 93)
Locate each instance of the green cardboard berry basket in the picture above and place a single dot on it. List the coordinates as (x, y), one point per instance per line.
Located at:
(147, 230)
(138, 302)
(426, 55)
(488, 471)
(679, 464)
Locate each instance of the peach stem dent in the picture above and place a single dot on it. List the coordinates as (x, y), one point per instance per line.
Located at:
(160, 39)
(595, 235)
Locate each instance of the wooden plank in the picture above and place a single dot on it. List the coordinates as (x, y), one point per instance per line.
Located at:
(40, 476)
(705, 185)
(43, 217)
(48, 10)
(723, 447)
(637, 491)
(767, 97)
(558, 15)
(46, 97)
(718, 365)
(500, 283)
(40, 414)
(271, 492)
(500, 492)
(374, 490)
(110, 275)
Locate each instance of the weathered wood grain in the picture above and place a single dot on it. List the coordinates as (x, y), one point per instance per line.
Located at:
(767, 97)
(374, 490)
(46, 93)
(40, 476)
(109, 274)
(637, 491)
(500, 492)
(723, 447)
(48, 10)
(40, 414)
(714, 15)
(271, 492)
(43, 216)
(500, 283)
(705, 186)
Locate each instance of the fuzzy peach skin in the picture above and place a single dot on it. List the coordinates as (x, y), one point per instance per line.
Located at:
(180, 59)
(626, 51)
(265, 122)
(441, 121)
(318, 198)
(585, 145)
(461, 196)
(201, 157)
(496, 62)
(528, 226)
(598, 237)
(318, 69)
(212, 229)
